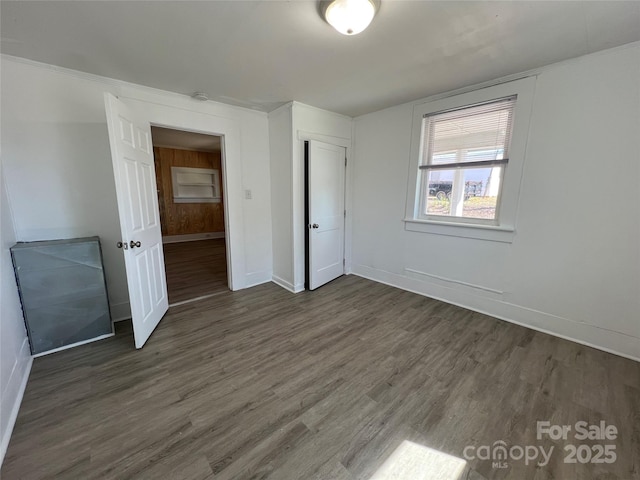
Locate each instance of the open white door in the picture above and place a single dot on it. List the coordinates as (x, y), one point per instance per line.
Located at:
(134, 171)
(326, 168)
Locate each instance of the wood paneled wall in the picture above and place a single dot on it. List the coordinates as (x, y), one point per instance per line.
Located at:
(186, 218)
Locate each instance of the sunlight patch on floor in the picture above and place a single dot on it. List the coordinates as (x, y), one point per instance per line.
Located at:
(417, 462)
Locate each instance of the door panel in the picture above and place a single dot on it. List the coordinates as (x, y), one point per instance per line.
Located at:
(134, 220)
(143, 280)
(148, 181)
(158, 284)
(326, 212)
(134, 172)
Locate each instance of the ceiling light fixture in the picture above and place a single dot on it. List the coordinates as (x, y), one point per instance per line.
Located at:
(350, 17)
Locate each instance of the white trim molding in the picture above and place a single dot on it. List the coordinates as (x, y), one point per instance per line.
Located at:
(491, 233)
(411, 271)
(330, 139)
(15, 390)
(287, 285)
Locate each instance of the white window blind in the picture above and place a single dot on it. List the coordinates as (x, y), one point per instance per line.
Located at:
(469, 137)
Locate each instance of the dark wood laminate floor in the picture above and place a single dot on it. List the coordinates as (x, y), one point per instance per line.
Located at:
(327, 384)
(195, 269)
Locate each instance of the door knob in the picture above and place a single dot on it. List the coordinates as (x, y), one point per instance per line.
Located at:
(134, 244)
(119, 244)
(315, 225)
(122, 245)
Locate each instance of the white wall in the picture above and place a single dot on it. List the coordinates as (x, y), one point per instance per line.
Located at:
(573, 268)
(58, 165)
(281, 151)
(15, 358)
(289, 127)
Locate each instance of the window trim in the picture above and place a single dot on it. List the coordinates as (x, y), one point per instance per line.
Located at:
(503, 227)
(460, 165)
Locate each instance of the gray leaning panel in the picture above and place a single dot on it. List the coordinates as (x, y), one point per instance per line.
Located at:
(63, 291)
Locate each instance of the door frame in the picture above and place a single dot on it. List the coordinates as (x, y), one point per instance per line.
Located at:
(300, 206)
(307, 217)
(176, 118)
(223, 179)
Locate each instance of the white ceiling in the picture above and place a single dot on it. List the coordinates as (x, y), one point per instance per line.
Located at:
(168, 137)
(261, 54)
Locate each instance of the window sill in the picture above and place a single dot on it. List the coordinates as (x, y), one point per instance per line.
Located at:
(492, 233)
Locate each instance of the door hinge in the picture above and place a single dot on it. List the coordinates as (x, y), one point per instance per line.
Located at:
(345, 161)
(344, 262)
(345, 214)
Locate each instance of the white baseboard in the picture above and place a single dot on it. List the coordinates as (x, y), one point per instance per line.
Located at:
(192, 237)
(283, 283)
(19, 377)
(610, 341)
(254, 279)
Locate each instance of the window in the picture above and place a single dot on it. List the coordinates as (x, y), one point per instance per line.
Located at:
(464, 153)
(195, 185)
(467, 156)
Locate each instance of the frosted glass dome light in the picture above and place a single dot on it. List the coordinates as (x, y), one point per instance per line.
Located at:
(350, 17)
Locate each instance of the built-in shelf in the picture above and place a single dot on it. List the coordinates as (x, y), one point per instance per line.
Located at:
(195, 185)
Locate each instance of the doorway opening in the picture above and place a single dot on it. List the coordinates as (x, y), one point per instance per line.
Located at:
(189, 180)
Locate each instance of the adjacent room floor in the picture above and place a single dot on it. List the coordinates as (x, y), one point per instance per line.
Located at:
(262, 383)
(195, 269)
